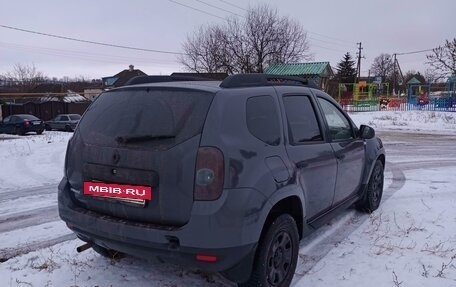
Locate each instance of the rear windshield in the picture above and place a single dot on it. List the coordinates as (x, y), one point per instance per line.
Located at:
(75, 117)
(171, 115)
(29, 117)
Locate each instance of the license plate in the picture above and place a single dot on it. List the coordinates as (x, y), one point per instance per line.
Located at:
(36, 123)
(121, 191)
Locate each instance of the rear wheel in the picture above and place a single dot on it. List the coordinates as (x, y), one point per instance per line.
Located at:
(277, 255)
(47, 127)
(68, 129)
(370, 201)
(19, 131)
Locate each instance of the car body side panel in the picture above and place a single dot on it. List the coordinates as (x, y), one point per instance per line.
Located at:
(244, 154)
(350, 156)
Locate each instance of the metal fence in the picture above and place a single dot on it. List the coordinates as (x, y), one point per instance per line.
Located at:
(399, 104)
(46, 110)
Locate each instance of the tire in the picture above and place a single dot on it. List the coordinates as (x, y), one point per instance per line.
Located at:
(370, 201)
(39, 132)
(277, 255)
(47, 127)
(68, 129)
(19, 131)
(108, 253)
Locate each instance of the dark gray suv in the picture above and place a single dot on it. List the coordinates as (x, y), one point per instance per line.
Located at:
(225, 177)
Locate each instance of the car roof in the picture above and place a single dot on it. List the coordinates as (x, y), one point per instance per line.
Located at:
(237, 81)
(24, 115)
(209, 86)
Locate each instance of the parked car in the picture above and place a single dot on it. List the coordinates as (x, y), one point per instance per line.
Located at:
(65, 122)
(225, 177)
(21, 124)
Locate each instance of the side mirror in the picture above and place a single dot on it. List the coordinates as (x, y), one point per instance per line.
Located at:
(366, 132)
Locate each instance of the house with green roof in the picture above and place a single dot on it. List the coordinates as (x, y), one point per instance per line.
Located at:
(319, 72)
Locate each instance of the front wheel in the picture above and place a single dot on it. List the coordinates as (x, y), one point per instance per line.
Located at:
(370, 200)
(277, 255)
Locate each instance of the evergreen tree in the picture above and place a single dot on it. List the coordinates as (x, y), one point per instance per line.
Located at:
(346, 71)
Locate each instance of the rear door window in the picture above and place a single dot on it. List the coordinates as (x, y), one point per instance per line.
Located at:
(263, 119)
(302, 122)
(30, 117)
(152, 116)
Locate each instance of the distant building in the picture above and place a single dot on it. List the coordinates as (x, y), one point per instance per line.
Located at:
(121, 78)
(91, 94)
(319, 72)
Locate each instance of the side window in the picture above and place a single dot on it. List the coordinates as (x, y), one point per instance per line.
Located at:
(7, 119)
(302, 123)
(338, 124)
(263, 119)
(64, 118)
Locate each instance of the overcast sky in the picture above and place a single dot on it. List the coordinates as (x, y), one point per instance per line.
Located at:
(334, 28)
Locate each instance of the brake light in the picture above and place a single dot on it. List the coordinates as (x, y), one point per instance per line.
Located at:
(206, 258)
(26, 123)
(209, 174)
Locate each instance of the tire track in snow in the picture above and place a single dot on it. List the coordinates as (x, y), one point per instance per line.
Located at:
(8, 253)
(28, 218)
(316, 246)
(20, 193)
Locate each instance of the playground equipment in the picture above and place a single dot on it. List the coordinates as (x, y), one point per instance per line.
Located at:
(362, 95)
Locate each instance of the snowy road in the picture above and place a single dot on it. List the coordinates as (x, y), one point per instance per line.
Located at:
(29, 221)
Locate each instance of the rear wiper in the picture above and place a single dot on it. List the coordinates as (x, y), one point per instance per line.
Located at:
(141, 138)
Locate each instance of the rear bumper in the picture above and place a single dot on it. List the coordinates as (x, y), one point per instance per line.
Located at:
(224, 228)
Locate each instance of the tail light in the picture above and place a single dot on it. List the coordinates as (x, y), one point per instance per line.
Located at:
(26, 123)
(209, 174)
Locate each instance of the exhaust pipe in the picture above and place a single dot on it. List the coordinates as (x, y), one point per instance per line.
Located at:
(84, 247)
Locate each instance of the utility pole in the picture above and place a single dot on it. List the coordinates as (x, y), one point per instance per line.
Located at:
(358, 68)
(394, 74)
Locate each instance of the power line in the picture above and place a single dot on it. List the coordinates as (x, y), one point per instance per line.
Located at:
(196, 9)
(330, 43)
(328, 37)
(219, 8)
(331, 49)
(231, 4)
(91, 42)
(106, 58)
(414, 52)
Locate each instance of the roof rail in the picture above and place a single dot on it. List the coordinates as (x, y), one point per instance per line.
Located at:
(255, 80)
(160, 79)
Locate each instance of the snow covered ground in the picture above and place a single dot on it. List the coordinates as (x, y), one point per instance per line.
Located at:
(409, 241)
(412, 121)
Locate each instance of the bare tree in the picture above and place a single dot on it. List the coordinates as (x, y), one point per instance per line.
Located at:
(25, 76)
(246, 45)
(383, 66)
(443, 59)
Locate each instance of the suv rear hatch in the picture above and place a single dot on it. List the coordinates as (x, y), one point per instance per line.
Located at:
(146, 137)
